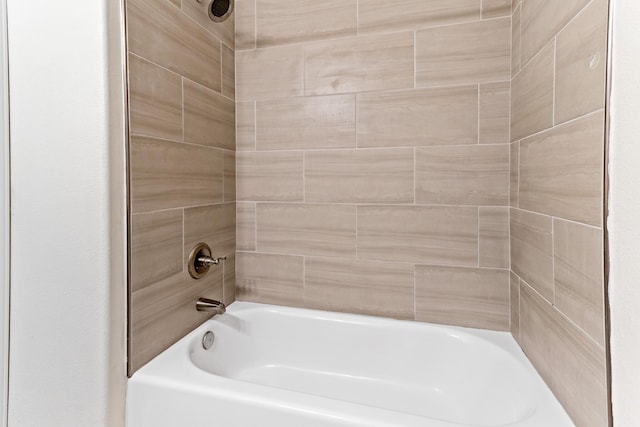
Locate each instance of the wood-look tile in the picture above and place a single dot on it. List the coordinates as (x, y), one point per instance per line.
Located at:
(209, 118)
(359, 176)
(161, 33)
(423, 234)
(495, 8)
(493, 226)
(307, 229)
(532, 96)
(516, 39)
(214, 225)
(514, 174)
(229, 280)
(164, 312)
(245, 12)
(475, 52)
(269, 176)
(228, 72)
(384, 16)
(156, 247)
(229, 177)
(572, 364)
(198, 11)
(581, 62)
(443, 116)
(363, 287)
(532, 250)
(176, 2)
(269, 73)
(579, 284)
(561, 170)
(306, 122)
(359, 64)
(167, 174)
(245, 126)
(463, 175)
(246, 226)
(294, 21)
(495, 115)
(270, 279)
(541, 21)
(514, 293)
(471, 297)
(155, 100)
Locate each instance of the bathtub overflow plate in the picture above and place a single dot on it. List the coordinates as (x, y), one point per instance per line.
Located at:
(207, 340)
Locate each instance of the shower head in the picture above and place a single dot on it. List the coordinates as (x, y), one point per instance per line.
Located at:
(218, 10)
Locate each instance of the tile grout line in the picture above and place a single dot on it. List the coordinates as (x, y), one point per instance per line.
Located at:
(553, 96)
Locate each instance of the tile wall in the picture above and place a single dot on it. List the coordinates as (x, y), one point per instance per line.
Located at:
(182, 167)
(373, 157)
(556, 227)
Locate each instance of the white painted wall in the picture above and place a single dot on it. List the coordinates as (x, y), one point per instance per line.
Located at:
(624, 218)
(67, 344)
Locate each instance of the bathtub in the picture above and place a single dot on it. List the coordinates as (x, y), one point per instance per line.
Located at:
(287, 367)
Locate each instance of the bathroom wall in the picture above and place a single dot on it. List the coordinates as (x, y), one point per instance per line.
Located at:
(182, 167)
(557, 134)
(373, 157)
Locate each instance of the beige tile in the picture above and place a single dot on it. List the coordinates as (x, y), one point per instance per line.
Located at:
(463, 175)
(307, 229)
(176, 2)
(167, 174)
(541, 21)
(581, 62)
(443, 116)
(198, 11)
(561, 170)
(493, 225)
(228, 72)
(229, 176)
(164, 312)
(495, 100)
(532, 96)
(472, 297)
(532, 250)
(514, 292)
(155, 100)
(229, 280)
(358, 64)
(270, 176)
(269, 73)
(156, 247)
(246, 226)
(360, 176)
(579, 283)
(214, 225)
(270, 279)
(295, 21)
(363, 287)
(515, 4)
(495, 8)
(161, 33)
(475, 52)
(384, 16)
(245, 126)
(514, 174)
(515, 41)
(423, 234)
(245, 12)
(572, 364)
(306, 122)
(209, 118)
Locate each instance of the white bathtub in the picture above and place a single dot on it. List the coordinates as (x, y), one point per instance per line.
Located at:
(286, 367)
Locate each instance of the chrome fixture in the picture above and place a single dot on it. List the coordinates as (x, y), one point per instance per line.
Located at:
(206, 304)
(218, 10)
(200, 260)
(207, 340)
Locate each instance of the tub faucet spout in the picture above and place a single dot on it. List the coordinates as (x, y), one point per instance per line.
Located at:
(211, 305)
